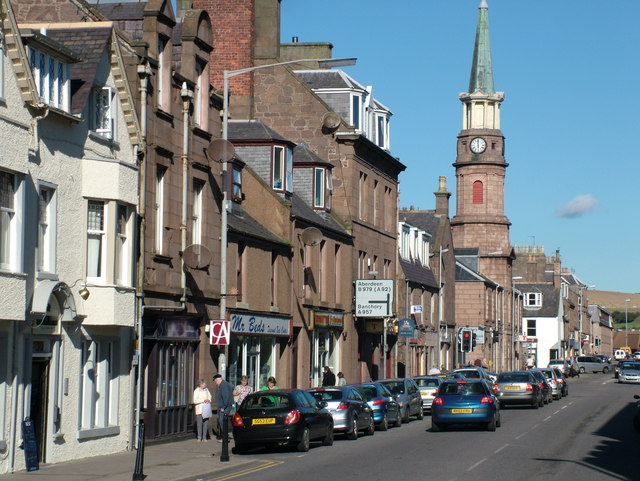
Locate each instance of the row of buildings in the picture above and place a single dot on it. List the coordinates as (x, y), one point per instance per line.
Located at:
(150, 237)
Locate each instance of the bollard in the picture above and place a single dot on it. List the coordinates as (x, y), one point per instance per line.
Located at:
(138, 474)
(224, 432)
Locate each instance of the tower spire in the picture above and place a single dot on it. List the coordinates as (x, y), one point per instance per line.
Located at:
(481, 69)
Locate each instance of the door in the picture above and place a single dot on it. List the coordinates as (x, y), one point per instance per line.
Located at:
(40, 402)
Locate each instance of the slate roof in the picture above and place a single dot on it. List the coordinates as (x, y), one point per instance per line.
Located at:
(248, 130)
(414, 271)
(126, 16)
(550, 299)
(302, 210)
(243, 224)
(464, 273)
(328, 79)
(303, 155)
(427, 220)
(90, 44)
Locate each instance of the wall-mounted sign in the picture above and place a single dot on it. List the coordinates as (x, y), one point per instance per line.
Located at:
(374, 297)
(328, 319)
(406, 327)
(242, 323)
(219, 333)
(373, 327)
(416, 309)
(177, 327)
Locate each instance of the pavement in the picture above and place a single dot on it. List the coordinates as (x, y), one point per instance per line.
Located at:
(183, 460)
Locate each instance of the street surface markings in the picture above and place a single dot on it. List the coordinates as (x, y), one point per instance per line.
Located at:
(500, 449)
(564, 407)
(255, 469)
(557, 412)
(534, 426)
(520, 435)
(473, 466)
(547, 418)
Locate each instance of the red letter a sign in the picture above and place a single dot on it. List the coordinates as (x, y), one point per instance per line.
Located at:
(219, 333)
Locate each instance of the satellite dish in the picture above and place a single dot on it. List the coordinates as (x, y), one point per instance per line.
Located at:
(221, 150)
(196, 256)
(311, 236)
(331, 120)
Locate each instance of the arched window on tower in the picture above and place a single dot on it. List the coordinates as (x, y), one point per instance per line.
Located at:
(478, 197)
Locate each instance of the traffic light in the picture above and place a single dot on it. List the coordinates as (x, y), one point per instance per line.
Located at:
(466, 340)
(473, 340)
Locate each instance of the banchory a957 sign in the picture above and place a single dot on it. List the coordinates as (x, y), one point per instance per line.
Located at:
(374, 297)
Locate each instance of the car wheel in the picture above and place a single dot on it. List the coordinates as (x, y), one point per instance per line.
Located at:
(405, 418)
(605, 370)
(384, 424)
(353, 432)
(435, 427)
(398, 420)
(540, 402)
(582, 370)
(328, 439)
(491, 425)
(371, 429)
(303, 445)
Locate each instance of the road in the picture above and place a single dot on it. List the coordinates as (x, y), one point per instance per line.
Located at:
(587, 436)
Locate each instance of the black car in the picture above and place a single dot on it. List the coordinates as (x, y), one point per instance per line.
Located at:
(283, 417)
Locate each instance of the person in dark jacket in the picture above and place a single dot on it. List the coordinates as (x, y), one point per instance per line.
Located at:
(328, 378)
(224, 399)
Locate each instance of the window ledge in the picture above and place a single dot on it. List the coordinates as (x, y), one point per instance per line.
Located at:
(165, 259)
(103, 139)
(10, 273)
(98, 432)
(242, 305)
(52, 276)
(164, 115)
(202, 133)
(274, 309)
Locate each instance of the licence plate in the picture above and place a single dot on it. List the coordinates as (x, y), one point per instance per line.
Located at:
(511, 388)
(461, 411)
(263, 421)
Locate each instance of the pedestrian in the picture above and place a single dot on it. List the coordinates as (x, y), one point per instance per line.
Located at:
(328, 378)
(242, 390)
(202, 408)
(271, 384)
(224, 399)
(341, 380)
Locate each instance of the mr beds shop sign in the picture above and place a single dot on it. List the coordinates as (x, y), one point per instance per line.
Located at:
(374, 297)
(219, 333)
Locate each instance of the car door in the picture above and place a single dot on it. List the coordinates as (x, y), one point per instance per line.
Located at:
(415, 401)
(310, 408)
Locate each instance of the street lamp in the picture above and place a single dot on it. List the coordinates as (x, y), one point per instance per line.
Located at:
(580, 314)
(441, 251)
(227, 74)
(513, 319)
(626, 305)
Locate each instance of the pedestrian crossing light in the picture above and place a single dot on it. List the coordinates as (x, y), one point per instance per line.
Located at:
(467, 340)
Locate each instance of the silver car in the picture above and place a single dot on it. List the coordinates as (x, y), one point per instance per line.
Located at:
(554, 382)
(630, 372)
(349, 410)
(591, 364)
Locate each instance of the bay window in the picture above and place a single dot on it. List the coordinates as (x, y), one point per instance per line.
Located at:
(96, 239)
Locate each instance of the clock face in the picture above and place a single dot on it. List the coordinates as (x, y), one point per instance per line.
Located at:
(478, 145)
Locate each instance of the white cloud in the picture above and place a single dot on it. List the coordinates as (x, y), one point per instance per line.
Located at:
(581, 204)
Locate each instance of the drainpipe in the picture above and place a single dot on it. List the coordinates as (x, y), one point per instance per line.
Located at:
(187, 96)
(18, 366)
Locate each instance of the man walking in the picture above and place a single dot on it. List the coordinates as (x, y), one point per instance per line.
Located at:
(224, 400)
(328, 378)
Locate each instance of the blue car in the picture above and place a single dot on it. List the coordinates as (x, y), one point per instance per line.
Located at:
(386, 409)
(465, 401)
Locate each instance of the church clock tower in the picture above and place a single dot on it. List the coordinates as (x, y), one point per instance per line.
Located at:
(480, 166)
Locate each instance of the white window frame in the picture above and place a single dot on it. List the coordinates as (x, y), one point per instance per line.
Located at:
(382, 132)
(164, 73)
(161, 173)
(11, 257)
(533, 299)
(319, 187)
(356, 111)
(52, 79)
(201, 97)
(123, 251)
(2, 64)
(47, 228)
(196, 215)
(99, 385)
(278, 168)
(405, 236)
(101, 235)
(104, 110)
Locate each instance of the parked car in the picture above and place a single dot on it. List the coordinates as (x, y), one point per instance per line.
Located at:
(466, 401)
(604, 357)
(545, 387)
(281, 417)
(519, 387)
(350, 411)
(630, 372)
(561, 364)
(635, 355)
(621, 365)
(428, 387)
(474, 372)
(408, 395)
(564, 383)
(386, 409)
(552, 379)
(591, 364)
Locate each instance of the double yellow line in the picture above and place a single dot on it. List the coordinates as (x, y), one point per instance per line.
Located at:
(255, 469)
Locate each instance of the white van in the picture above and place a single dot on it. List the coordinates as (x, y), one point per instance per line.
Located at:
(619, 354)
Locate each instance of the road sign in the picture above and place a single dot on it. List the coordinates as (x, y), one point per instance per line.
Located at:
(406, 327)
(374, 297)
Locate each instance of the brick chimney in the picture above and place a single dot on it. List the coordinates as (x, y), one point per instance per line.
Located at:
(442, 197)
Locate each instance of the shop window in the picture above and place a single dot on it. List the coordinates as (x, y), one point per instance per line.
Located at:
(99, 384)
(175, 374)
(254, 357)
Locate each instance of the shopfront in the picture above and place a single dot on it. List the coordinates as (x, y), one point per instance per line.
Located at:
(255, 348)
(325, 348)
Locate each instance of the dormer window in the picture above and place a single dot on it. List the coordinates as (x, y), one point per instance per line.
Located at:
(282, 171)
(382, 131)
(321, 188)
(356, 111)
(236, 184)
(103, 119)
(533, 299)
(52, 79)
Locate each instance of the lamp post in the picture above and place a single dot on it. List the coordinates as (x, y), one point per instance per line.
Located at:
(227, 74)
(440, 252)
(513, 319)
(580, 314)
(626, 305)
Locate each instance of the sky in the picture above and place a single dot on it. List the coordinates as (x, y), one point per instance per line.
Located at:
(570, 72)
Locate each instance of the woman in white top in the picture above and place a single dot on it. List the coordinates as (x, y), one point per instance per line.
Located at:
(201, 396)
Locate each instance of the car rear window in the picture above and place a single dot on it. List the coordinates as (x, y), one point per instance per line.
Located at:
(462, 389)
(395, 387)
(334, 395)
(264, 401)
(369, 392)
(514, 377)
(471, 374)
(427, 382)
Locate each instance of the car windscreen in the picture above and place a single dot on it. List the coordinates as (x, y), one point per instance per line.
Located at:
(266, 401)
(631, 366)
(427, 382)
(396, 387)
(333, 395)
(471, 374)
(514, 377)
(462, 389)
